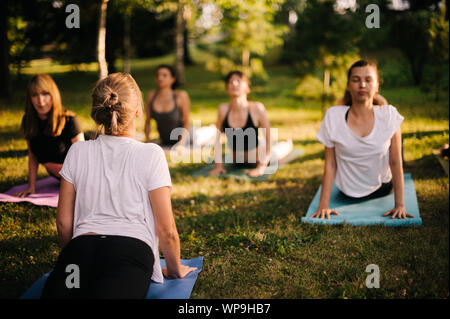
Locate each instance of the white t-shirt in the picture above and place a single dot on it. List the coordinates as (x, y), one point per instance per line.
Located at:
(112, 177)
(362, 162)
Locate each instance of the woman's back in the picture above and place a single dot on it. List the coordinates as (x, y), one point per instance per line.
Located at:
(112, 177)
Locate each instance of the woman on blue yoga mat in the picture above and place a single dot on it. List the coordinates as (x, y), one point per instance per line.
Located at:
(49, 129)
(362, 145)
(240, 120)
(114, 206)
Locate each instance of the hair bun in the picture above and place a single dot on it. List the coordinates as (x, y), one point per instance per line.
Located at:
(111, 99)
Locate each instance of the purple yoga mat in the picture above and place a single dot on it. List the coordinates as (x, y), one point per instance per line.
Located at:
(47, 193)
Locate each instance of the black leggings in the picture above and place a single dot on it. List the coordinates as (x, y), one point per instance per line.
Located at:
(383, 190)
(109, 267)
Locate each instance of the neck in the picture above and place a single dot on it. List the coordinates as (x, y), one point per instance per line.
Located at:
(239, 102)
(362, 107)
(165, 89)
(130, 132)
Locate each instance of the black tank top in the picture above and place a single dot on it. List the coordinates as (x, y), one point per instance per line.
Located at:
(167, 121)
(249, 133)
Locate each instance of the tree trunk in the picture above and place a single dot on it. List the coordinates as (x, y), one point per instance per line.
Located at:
(187, 57)
(103, 68)
(126, 43)
(437, 79)
(5, 77)
(245, 58)
(179, 43)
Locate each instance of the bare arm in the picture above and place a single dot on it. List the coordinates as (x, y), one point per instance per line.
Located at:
(64, 213)
(166, 230)
(395, 163)
(327, 184)
(223, 109)
(185, 106)
(33, 166)
(264, 123)
(148, 116)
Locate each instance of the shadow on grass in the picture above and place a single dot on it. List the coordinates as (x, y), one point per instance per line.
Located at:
(422, 134)
(13, 153)
(25, 260)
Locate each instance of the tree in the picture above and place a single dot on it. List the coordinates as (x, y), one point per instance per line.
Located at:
(323, 40)
(438, 47)
(248, 30)
(103, 67)
(5, 78)
(409, 34)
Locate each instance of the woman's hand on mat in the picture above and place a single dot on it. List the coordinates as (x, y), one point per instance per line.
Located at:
(321, 213)
(217, 171)
(181, 273)
(398, 212)
(26, 192)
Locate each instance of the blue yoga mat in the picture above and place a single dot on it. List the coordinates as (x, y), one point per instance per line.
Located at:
(369, 212)
(170, 289)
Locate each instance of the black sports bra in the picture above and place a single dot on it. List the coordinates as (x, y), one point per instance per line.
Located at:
(249, 134)
(167, 121)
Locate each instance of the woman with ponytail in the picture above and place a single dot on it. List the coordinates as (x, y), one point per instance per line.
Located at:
(114, 205)
(362, 145)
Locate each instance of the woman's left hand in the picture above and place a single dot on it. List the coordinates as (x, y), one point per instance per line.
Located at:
(398, 212)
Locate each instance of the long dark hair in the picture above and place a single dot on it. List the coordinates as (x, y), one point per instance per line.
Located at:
(361, 63)
(172, 73)
(240, 74)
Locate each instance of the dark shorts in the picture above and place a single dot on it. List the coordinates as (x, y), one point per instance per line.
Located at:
(383, 190)
(101, 266)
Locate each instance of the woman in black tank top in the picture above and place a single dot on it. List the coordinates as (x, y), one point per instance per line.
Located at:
(169, 108)
(240, 120)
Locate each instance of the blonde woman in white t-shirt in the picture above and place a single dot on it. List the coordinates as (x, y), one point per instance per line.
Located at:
(362, 142)
(114, 206)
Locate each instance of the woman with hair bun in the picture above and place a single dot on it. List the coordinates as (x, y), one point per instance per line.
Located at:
(114, 205)
(49, 129)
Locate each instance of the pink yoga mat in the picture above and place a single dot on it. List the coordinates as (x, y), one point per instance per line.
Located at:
(47, 193)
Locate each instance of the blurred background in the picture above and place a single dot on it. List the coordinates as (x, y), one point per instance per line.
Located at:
(317, 39)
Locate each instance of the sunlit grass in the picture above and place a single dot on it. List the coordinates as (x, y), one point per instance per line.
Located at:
(250, 233)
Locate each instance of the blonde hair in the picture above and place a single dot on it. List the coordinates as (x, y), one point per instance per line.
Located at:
(57, 115)
(115, 100)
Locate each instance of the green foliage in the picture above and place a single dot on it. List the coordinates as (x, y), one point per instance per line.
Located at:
(438, 47)
(409, 34)
(18, 41)
(249, 32)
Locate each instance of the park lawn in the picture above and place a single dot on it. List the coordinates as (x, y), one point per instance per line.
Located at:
(250, 233)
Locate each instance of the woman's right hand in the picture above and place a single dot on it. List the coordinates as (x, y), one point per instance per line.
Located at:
(30, 190)
(322, 212)
(217, 171)
(181, 273)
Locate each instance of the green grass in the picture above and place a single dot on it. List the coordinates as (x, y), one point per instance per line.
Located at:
(250, 233)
